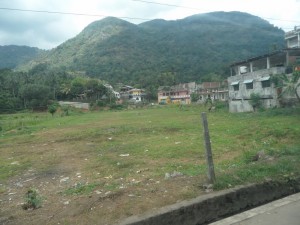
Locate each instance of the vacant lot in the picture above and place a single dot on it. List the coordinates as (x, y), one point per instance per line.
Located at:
(100, 167)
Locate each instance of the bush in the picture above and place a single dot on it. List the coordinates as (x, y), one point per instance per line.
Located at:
(255, 101)
(116, 106)
(52, 108)
(32, 200)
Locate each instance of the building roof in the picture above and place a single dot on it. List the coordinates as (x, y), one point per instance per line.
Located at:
(291, 51)
(208, 85)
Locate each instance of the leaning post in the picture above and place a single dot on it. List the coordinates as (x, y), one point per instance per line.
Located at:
(209, 158)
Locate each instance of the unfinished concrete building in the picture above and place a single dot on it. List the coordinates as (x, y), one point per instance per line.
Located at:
(254, 76)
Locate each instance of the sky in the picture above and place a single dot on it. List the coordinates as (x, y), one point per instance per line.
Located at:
(48, 23)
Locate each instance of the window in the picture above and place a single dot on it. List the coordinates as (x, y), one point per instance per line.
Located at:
(266, 83)
(235, 87)
(249, 84)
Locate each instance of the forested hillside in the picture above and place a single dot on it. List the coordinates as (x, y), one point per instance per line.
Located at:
(148, 55)
(118, 51)
(11, 55)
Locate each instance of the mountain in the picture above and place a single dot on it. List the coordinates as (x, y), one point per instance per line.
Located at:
(118, 51)
(12, 55)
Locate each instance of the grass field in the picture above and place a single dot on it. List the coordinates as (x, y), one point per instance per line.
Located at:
(104, 166)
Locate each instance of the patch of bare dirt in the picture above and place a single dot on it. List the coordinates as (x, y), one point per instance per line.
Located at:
(98, 207)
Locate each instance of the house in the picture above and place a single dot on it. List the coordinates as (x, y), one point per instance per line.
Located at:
(115, 93)
(254, 76)
(292, 38)
(177, 94)
(213, 90)
(136, 95)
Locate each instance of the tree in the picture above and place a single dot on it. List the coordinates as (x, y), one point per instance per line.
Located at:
(288, 83)
(195, 97)
(35, 95)
(52, 109)
(255, 101)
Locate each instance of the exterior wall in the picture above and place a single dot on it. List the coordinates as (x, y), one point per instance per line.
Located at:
(78, 105)
(175, 97)
(219, 95)
(136, 94)
(292, 38)
(239, 99)
(214, 90)
(177, 94)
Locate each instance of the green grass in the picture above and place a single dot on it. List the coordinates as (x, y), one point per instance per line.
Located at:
(81, 188)
(161, 140)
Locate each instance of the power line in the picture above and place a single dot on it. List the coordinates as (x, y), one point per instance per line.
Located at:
(192, 8)
(122, 17)
(69, 13)
(171, 5)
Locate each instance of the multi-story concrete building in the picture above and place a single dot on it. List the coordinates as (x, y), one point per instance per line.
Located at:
(177, 94)
(213, 90)
(292, 38)
(254, 76)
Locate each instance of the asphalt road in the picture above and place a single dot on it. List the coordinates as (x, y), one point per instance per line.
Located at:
(285, 211)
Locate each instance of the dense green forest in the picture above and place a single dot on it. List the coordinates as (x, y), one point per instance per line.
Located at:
(118, 51)
(11, 55)
(39, 88)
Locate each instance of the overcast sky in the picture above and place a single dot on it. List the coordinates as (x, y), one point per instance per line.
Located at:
(19, 25)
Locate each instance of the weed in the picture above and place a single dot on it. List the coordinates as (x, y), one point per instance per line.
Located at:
(32, 199)
(80, 189)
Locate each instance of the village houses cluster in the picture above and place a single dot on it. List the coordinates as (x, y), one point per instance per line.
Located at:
(248, 76)
(253, 75)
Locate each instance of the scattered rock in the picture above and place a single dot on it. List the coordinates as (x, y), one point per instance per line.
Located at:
(124, 155)
(167, 176)
(172, 175)
(66, 203)
(109, 177)
(65, 179)
(259, 155)
(208, 187)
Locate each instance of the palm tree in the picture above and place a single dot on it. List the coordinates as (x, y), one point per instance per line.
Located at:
(289, 84)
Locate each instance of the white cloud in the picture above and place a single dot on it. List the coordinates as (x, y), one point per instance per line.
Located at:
(46, 30)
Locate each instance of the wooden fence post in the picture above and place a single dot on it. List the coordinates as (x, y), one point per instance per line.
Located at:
(209, 158)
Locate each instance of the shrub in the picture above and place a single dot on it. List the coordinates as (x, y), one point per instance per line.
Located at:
(32, 200)
(52, 109)
(255, 101)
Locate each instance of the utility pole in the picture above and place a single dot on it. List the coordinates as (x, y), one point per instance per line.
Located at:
(209, 158)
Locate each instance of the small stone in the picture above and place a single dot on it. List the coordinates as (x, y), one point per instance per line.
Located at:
(66, 203)
(65, 179)
(167, 176)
